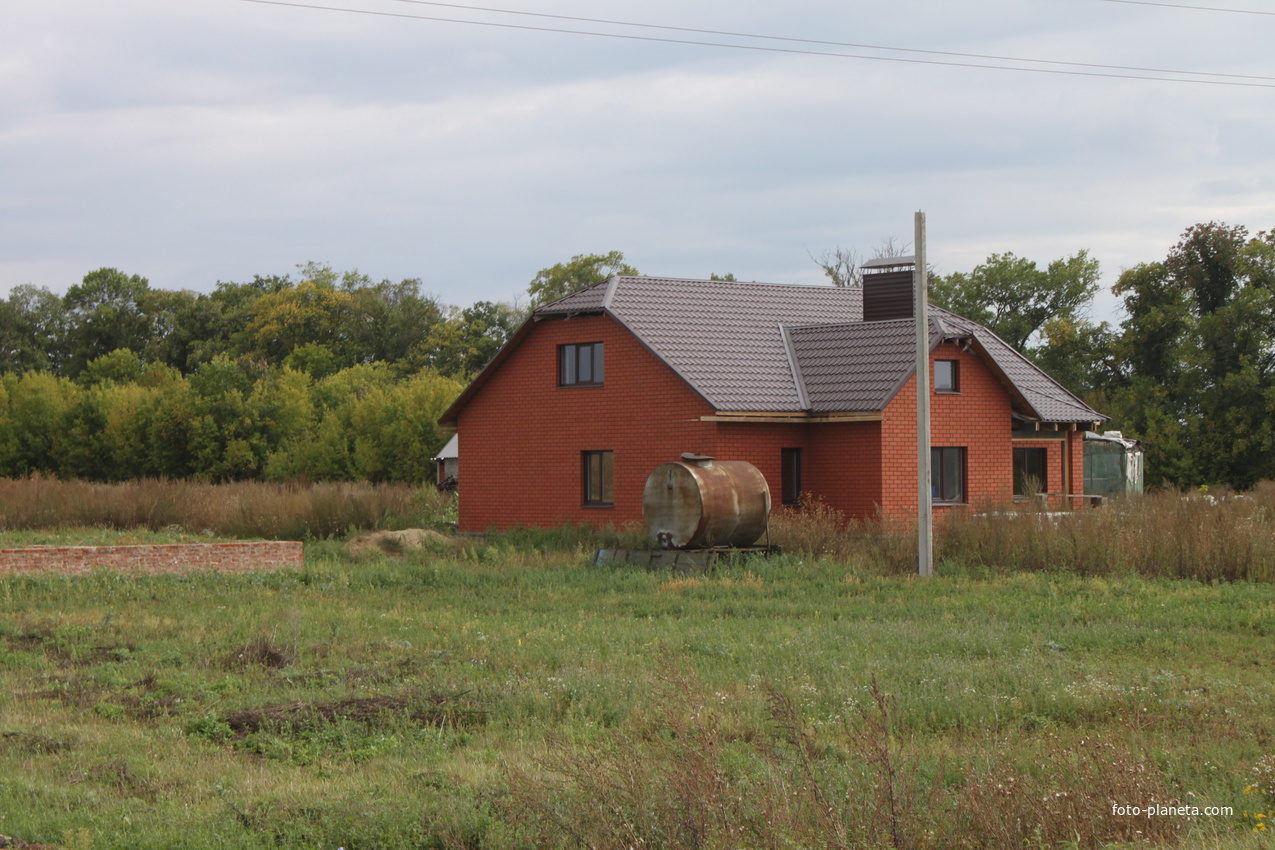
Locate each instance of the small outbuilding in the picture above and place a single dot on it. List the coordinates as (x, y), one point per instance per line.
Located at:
(1113, 464)
(448, 461)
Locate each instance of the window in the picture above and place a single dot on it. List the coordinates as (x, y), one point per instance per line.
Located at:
(580, 364)
(599, 479)
(947, 474)
(790, 476)
(947, 376)
(1029, 471)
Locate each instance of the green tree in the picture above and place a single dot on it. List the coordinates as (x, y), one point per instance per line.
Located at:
(1198, 346)
(121, 366)
(32, 330)
(38, 403)
(468, 339)
(577, 273)
(186, 328)
(1079, 355)
(388, 321)
(1014, 298)
(104, 312)
(225, 439)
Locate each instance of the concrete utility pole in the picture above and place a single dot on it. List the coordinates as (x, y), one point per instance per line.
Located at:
(924, 509)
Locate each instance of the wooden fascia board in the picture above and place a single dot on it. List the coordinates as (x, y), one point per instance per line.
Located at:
(795, 418)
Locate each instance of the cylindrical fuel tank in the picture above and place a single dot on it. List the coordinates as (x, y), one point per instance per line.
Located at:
(701, 502)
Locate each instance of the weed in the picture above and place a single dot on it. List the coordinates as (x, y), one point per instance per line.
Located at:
(288, 511)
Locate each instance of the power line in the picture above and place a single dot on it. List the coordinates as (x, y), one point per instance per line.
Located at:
(1196, 8)
(853, 45)
(789, 50)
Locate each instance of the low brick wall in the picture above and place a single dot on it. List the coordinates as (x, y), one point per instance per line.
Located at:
(161, 558)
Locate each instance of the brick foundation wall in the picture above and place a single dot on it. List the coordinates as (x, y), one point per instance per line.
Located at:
(160, 558)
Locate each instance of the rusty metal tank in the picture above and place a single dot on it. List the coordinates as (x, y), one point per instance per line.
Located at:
(701, 502)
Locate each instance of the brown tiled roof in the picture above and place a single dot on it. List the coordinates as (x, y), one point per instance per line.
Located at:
(855, 366)
(751, 347)
(1047, 399)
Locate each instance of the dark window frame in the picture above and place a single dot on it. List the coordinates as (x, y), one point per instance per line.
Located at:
(1021, 470)
(597, 478)
(948, 475)
(790, 476)
(955, 385)
(576, 368)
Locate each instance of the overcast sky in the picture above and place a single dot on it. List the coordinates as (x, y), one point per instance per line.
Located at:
(206, 140)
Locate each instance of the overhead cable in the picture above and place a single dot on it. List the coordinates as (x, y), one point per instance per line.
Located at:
(821, 43)
(1190, 77)
(1193, 8)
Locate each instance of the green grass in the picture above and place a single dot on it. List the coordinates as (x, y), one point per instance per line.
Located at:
(433, 701)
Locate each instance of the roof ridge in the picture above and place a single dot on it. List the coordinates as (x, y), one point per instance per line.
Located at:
(756, 283)
(799, 381)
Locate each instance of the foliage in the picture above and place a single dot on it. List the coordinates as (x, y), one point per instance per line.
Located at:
(1014, 298)
(1198, 382)
(580, 271)
(104, 314)
(468, 339)
(232, 419)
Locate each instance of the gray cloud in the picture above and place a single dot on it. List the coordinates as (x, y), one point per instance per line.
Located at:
(218, 139)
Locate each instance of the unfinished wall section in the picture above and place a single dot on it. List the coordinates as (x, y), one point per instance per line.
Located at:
(155, 559)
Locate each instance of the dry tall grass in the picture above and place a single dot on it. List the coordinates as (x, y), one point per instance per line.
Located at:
(1221, 536)
(246, 509)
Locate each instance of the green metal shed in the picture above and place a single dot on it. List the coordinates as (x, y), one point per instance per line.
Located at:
(1113, 464)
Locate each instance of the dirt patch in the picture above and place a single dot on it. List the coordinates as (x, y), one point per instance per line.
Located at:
(31, 743)
(19, 844)
(263, 651)
(429, 710)
(395, 543)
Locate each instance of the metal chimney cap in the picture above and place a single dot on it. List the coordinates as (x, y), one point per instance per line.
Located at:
(888, 263)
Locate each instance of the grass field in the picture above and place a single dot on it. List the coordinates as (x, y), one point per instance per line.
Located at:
(505, 696)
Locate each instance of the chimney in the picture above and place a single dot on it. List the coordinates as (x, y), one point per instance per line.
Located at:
(888, 292)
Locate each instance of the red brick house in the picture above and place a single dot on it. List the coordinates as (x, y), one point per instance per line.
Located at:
(598, 388)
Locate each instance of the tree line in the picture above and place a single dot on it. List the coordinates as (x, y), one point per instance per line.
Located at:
(335, 376)
(1190, 367)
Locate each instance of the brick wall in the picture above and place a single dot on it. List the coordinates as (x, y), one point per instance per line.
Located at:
(522, 435)
(163, 558)
(976, 418)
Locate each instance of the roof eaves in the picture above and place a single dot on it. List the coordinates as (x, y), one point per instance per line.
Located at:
(1061, 394)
